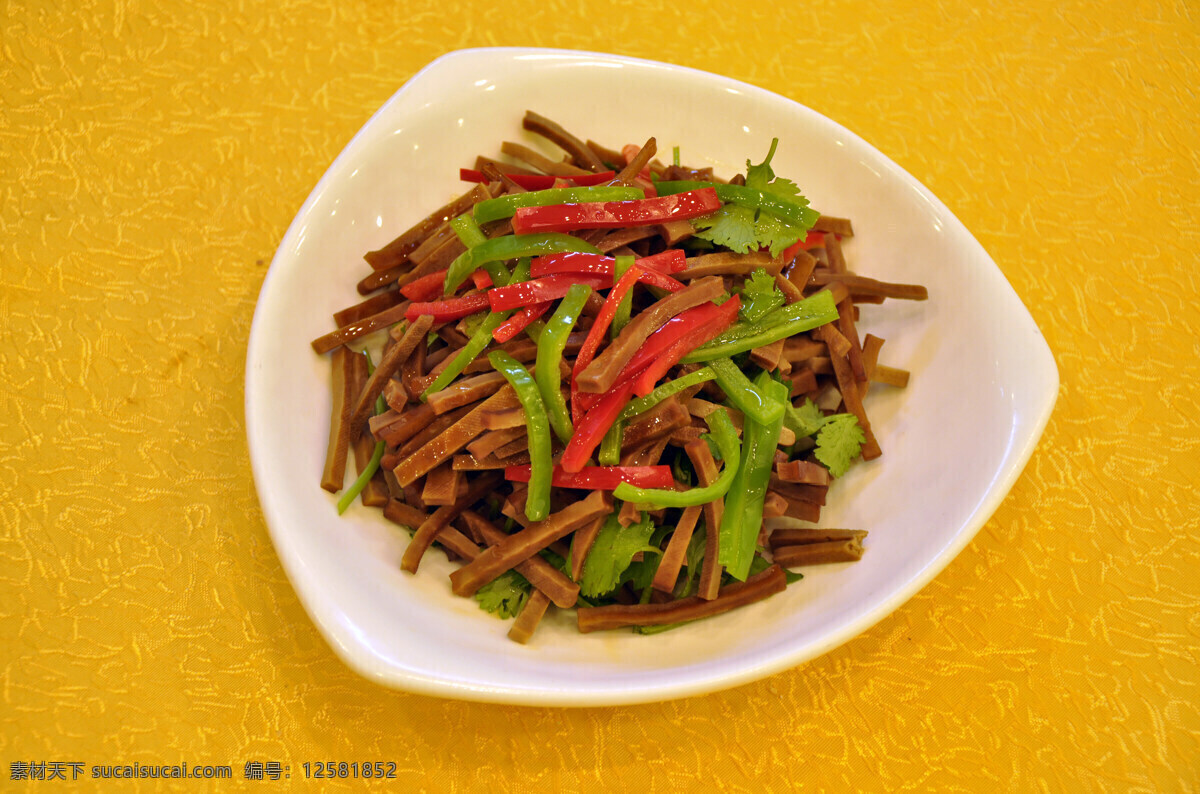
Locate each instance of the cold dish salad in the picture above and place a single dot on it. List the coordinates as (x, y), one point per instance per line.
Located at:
(600, 375)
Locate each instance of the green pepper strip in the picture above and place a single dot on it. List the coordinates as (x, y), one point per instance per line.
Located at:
(741, 392)
(550, 347)
(794, 211)
(742, 520)
(470, 235)
(625, 307)
(668, 389)
(790, 320)
(610, 445)
(477, 343)
(510, 246)
(537, 427)
(727, 441)
(372, 466)
(468, 231)
(505, 206)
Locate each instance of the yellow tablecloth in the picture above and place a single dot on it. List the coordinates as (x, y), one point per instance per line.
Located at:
(152, 157)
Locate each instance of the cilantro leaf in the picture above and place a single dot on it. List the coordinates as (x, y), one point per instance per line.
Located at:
(505, 595)
(805, 420)
(758, 177)
(774, 233)
(731, 226)
(611, 554)
(759, 296)
(742, 229)
(839, 442)
(792, 576)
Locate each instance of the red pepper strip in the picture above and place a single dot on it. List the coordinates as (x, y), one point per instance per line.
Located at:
(481, 279)
(540, 181)
(689, 324)
(600, 478)
(524, 293)
(615, 214)
(706, 324)
(447, 310)
(520, 321)
(599, 328)
(647, 187)
(590, 429)
(813, 240)
(425, 288)
(670, 261)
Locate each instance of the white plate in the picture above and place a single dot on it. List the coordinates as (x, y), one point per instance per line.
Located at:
(983, 386)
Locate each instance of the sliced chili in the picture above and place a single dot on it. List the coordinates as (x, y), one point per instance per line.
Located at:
(540, 290)
(600, 478)
(451, 309)
(540, 181)
(520, 320)
(614, 214)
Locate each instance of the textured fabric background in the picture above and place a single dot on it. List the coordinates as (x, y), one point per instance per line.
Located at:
(152, 155)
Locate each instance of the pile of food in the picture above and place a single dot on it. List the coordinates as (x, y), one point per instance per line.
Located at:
(600, 375)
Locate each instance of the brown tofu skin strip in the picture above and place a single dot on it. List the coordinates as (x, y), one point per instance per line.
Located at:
(803, 471)
(802, 269)
(762, 585)
(492, 440)
(375, 494)
(849, 330)
(861, 286)
(848, 386)
(530, 616)
(395, 252)
(814, 494)
(441, 486)
(441, 518)
(774, 505)
(540, 162)
(819, 553)
(334, 475)
(600, 375)
(348, 333)
(395, 395)
(389, 365)
(839, 226)
(428, 431)
(403, 514)
(768, 356)
(505, 419)
(379, 279)
(465, 392)
(676, 551)
(610, 157)
(871, 346)
(729, 264)
(799, 537)
(452, 439)
(706, 470)
(471, 463)
(405, 426)
(522, 545)
(805, 511)
(580, 153)
(635, 165)
(833, 253)
(890, 376)
(372, 305)
(541, 574)
(581, 544)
